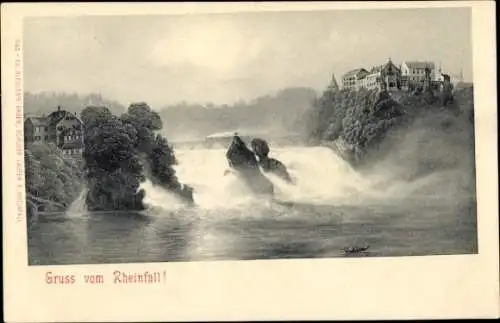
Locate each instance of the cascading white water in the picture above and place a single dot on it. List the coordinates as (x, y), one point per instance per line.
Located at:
(321, 177)
(79, 205)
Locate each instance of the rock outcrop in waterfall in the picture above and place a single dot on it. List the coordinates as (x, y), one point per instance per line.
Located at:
(244, 162)
(269, 164)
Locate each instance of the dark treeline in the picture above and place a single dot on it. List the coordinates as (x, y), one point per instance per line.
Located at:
(47, 102)
(278, 114)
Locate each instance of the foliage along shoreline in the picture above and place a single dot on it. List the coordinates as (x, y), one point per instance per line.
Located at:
(355, 123)
(51, 175)
(120, 153)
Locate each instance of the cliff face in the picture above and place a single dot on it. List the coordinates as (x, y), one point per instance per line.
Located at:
(356, 123)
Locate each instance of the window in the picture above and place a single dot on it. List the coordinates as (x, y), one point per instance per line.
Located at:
(46, 138)
(46, 128)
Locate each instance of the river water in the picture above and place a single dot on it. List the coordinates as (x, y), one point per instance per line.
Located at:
(330, 207)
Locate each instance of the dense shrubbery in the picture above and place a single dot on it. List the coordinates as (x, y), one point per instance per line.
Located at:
(120, 152)
(362, 119)
(51, 175)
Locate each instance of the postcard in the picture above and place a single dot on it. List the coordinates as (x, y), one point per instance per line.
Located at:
(249, 161)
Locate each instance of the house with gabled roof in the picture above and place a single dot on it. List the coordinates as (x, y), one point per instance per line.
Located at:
(61, 127)
(415, 72)
(36, 129)
(387, 76)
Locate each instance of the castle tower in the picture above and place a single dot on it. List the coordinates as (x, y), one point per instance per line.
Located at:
(333, 86)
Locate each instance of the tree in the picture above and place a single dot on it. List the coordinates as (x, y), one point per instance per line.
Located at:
(145, 121)
(118, 151)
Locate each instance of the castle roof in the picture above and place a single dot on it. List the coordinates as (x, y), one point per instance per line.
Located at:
(38, 121)
(379, 68)
(420, 64)
(333, 83)
(355, 72)
(376, 69)
(59, 115)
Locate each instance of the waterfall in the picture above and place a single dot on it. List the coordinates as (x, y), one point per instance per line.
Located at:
(79, 205)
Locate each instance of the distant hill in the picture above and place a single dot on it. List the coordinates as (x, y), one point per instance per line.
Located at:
(277, 114)
(47, 102)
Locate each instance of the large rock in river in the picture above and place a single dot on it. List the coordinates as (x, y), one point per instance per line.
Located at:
(243, 161)
(268, 164)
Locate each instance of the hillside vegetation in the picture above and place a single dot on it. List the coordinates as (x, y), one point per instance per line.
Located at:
(51, 175)
(356, 123)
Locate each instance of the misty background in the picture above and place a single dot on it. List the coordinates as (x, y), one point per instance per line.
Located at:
(226, 72)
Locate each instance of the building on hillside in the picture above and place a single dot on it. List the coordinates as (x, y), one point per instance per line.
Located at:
(36, 129)
(351, 79)
(409, 76)
(437, 75)
(414, 73)
(63, 128)
(387, 76)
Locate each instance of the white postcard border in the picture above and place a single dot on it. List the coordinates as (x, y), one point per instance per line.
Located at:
(374, 288)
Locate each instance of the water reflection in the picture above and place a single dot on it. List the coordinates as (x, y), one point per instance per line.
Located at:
(272, 233)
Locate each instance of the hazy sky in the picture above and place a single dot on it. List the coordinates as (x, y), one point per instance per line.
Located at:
(226, 57)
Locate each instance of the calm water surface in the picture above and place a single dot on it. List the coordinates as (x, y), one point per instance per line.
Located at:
(298, 231)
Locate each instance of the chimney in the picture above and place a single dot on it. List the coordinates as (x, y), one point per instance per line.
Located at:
(58, 108)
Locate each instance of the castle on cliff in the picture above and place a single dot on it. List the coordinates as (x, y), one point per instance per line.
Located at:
(408, 76)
